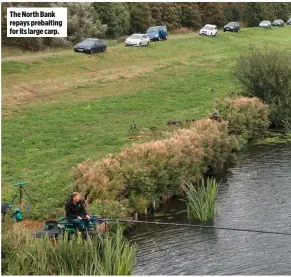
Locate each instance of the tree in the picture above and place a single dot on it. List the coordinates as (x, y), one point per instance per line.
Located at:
(212, 13)
(140, 17)
(281, 10)
(115, 15)
(191, 16)
(253, 14)
(172, 15)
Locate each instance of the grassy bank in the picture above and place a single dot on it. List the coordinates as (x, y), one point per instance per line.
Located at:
(58, 111)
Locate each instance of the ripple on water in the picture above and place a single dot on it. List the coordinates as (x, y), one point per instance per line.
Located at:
(255, 194)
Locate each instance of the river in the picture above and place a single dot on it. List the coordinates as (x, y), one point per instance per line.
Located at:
(254, 194)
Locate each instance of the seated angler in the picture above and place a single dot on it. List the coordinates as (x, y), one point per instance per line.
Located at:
(75, 210)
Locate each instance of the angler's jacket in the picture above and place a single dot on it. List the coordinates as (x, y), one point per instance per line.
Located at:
(75, 210)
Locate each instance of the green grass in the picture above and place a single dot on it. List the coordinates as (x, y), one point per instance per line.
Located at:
(59, 110)
(201, 200)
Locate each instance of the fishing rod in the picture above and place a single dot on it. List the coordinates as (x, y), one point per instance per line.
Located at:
(195, 226)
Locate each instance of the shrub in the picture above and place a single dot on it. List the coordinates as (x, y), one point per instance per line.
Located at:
(201, 199)
(110, 208)
(110, 255)
(266, 74)
(246, 117)
(145, 172)
(150, 170)
(98, 179)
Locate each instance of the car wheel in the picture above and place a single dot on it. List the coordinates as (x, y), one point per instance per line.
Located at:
(91, 51)
(166, 37)
(224, 30)
(140, 44)
(238, 30)
(148, 43)
(104, 49)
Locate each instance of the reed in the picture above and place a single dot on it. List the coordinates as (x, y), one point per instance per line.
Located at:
(108, 255)
(287, 126)
(201, 199)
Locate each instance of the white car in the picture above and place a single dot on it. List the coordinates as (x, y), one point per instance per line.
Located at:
(208, 30)
(265, 24)
(137, 40)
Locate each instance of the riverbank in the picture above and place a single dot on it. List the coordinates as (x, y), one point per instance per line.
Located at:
(45, 135)
(145, 173)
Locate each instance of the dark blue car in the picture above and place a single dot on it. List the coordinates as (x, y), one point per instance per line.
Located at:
(157, 33)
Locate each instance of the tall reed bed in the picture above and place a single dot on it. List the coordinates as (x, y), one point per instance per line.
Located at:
(111, 255)
(153, 169)
(201, 199)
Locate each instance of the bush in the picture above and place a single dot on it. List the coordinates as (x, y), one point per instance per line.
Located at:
(98, 179)
(266, 74)
(145, 172)
(110, 208)
(110, 255)
(246, 117)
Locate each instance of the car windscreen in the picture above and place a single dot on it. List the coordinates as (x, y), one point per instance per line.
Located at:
(231, 23)
(88, 42)
(265, 22)
(277, 21)
(135, 36)
(208, 28)
(152, 30)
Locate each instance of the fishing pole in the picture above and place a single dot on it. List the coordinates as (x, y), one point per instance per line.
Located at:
(196, 226)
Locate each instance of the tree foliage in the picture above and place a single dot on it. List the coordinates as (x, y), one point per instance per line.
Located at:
(266, 74)
(117, 19)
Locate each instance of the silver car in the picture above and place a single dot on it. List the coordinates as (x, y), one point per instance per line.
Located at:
(265, 24)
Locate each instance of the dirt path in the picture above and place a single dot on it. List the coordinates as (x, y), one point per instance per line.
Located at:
(70, 52)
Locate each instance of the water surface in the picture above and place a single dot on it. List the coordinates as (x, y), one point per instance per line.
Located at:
(254, 194)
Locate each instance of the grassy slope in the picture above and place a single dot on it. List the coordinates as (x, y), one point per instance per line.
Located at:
(58, 111)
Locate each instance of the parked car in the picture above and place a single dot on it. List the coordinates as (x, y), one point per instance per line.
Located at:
(208, 30)
(232, 27)
(157, 33)
(278, 23)
(265, 24)
(137, 40)
(289, 21)
(91, 45)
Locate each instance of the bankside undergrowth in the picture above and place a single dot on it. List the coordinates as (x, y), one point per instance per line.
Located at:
(266, 74)
(145, 172)
(247, 118)
(24, 255)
